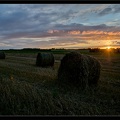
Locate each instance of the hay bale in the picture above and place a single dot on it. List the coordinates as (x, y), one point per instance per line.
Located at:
(2, 55)
(45, 59)
(78, 69)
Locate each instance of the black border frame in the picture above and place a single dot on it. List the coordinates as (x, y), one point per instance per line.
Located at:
(58, 2)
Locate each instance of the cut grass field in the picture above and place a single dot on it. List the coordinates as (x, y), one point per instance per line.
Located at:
(30, 90)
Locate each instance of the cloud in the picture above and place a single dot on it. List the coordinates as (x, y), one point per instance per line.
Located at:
(60, 24)
(116, 8)
(58, 42)
(65, 30)
(116, 42)
(105, 11)
(111, 9)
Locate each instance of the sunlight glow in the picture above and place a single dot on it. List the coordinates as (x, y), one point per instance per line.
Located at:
(108, 47)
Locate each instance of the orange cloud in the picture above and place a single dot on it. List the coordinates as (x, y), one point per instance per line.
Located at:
(74, 32)
(53, 31)
(87, 32)
(113, 33)
(95, 32)
(92, 32)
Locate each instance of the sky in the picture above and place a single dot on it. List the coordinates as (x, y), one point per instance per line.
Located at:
(70, 26)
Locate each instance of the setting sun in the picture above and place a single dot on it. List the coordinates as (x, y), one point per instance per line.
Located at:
(108, 47)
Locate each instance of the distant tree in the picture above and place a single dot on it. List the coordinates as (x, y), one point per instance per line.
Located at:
(94, 49)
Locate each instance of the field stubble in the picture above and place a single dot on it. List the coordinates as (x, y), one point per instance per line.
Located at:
(30, 90)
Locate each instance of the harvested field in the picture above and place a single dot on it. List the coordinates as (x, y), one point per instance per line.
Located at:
(30, 90)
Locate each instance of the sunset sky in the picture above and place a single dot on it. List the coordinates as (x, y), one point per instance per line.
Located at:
(59, 25)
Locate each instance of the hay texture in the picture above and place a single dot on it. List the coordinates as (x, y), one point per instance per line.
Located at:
(45, 60)
(78, 69)
(2, 55)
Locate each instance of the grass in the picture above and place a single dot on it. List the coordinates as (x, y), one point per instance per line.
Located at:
(30, 90)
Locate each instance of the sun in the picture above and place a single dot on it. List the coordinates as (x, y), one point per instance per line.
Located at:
(108, 47)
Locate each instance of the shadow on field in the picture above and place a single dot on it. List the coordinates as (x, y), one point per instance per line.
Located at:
(26, 89)
(53, 98)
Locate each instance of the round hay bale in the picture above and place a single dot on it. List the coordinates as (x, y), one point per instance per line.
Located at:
(78, 69)
(45, 59)
(2, 55)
